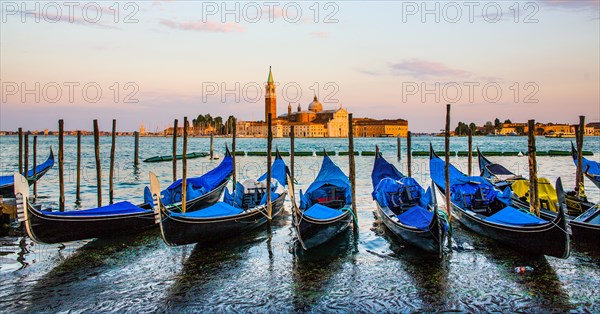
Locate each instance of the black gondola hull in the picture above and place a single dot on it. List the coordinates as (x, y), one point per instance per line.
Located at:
(548, 239)
(430, 240)
(313, 233)
(186, 230)
(48, 229)
(581, 232)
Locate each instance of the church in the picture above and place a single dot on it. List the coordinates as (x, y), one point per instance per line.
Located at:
(314, 121)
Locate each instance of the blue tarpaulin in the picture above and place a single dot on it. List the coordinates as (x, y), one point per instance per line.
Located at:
(279, 170)
(461, 184)
(120, 208)
(383, 169)
(219, 209)
(319, 211)
(196, 187)
(417, 217)
(514, 217)
(329, 174)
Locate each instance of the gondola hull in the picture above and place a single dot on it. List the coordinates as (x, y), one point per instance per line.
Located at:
(49, 229)
(314, 232)
(188, 230)
(548, 239)
(428, 240)
(581, 232)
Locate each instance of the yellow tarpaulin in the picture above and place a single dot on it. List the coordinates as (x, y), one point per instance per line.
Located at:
(546, 192)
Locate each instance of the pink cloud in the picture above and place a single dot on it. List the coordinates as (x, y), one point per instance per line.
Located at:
(320, 34)
(203, 27)
(424, 69)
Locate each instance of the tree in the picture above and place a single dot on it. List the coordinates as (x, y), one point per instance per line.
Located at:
(473, 127)
(497, 123)
(488, 127)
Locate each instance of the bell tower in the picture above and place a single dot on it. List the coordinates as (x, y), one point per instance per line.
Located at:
(270, 97)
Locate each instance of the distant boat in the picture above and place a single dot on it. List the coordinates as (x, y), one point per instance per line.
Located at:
(561, 135)
(178, 157)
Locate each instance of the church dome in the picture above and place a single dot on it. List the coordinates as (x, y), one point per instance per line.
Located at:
(315, 105)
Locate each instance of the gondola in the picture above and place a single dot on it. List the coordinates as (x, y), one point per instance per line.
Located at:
(46, 226)
(6, 182)
(242, 210)
(201, 191)
(325, 209)
(591, 168)
(406, 209)
(585, 227)
(502, 178)
(479, 206)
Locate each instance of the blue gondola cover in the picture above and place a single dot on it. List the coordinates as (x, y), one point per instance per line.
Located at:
(195, 186)
(319, 211)
(383, 169)
(417, 217)
(219, 209)
(329, 174)
(120, 208)
(514, 217)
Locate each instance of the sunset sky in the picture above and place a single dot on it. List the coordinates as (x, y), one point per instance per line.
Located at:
(374, 58)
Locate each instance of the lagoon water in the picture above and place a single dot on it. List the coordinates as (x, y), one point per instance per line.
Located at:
(264, 271)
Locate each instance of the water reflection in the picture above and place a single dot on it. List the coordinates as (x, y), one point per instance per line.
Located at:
(313, 270)
(76, 277)
(428, 272)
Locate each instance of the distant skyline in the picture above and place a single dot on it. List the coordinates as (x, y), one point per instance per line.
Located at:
(151, 62)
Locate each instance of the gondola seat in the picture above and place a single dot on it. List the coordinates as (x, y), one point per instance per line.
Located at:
(417, 217)
(120, 208)
(321, 212)
(217, 210)
(514, 217)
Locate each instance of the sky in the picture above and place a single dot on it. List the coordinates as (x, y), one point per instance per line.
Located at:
(153, 61)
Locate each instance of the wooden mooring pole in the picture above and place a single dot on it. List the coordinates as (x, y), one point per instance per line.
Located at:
(61, 167)
(470, 153)
(136, 148)
(34, 166)
(26, 156)
(233, 138)
(534, 203)
(399, 147)
(184, 167)
(20, 150)
(78, 190)
(292, 149)
(579, 185)
(212, 147)
(351, 164)
(269, 149)
(175, 150)
(98, 165)
(409, 153)
(447, 164)
(111, 172)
